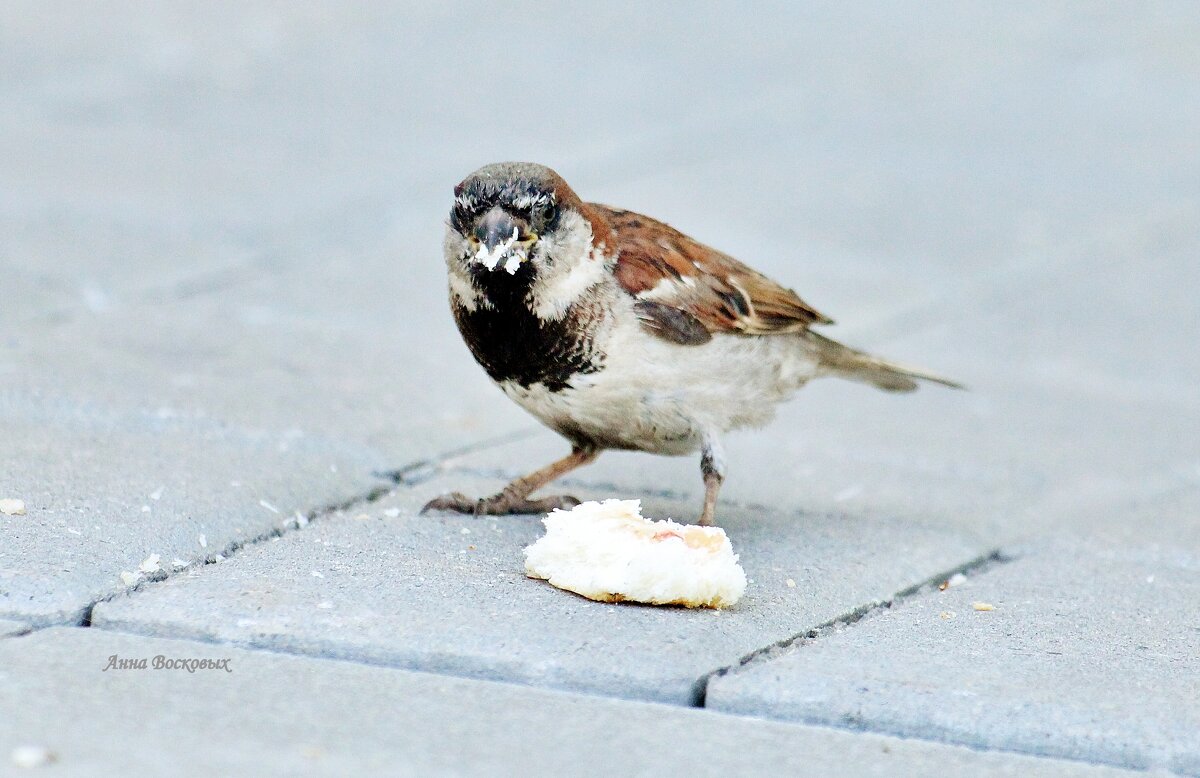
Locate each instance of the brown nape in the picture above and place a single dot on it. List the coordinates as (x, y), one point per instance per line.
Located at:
(602, 232)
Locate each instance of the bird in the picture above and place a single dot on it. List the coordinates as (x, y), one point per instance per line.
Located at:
(619, 332)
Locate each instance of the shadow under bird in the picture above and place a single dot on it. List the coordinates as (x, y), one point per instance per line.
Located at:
(619, 332)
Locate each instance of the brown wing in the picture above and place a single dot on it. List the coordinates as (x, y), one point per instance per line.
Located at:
(658, 264)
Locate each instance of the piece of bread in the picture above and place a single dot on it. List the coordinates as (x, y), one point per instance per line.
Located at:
(606, 551)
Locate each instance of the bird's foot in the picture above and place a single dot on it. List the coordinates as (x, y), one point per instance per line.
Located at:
(498, 504)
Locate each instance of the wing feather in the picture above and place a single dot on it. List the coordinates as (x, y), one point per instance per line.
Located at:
(658, 264)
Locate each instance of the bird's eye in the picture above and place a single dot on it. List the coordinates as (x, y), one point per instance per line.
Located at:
(543, 216)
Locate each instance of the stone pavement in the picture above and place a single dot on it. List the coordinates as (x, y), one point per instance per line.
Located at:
(222, 318)
(358, 720)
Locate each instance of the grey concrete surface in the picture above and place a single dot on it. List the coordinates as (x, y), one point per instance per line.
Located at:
(221, 296)
(1088, 654)
(105, 490)
(299, 716)
(447, 593)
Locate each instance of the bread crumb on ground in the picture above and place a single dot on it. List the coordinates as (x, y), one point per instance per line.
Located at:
(608, 552)
(29, 757)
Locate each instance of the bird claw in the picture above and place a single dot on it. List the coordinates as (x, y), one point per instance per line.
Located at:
(498, 504)
(456, 502)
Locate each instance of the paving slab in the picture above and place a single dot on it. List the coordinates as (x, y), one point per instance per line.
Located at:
(447, 593)
(106, 490)
(345, 719)
(218, 416)
(1089, 653)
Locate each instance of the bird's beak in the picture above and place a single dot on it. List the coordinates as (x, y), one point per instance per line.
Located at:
(497, 228)
(500, 237)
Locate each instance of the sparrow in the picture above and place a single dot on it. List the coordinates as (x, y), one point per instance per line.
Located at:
(619, 332)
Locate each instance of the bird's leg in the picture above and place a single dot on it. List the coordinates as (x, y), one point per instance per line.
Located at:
(712, 466)
(514, 498)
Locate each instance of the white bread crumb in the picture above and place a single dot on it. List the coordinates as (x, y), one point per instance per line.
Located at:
(608, 552)
(30, 757)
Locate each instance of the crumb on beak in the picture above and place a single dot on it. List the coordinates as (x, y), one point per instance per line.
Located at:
(499, 240)
(512, 250)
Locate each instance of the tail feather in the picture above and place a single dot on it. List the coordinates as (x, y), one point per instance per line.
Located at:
(860, 366)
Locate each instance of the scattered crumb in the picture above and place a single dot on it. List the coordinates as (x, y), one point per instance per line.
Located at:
(470, 548)
(74, 531)
(325, 605)
(150, 564)
(363, 517)
(178, 563)
(129, 579)
(157, 494)
(947, 614)
(392, 513)
(791, 583)
(983, 606)
(29, 757)
(465, 531)
(957, 579)
(145, 509)
(11, 507)
(268, 506)
(1149, 579)
(317, 574)
(301, 520)
(203, 541)
(219, 558)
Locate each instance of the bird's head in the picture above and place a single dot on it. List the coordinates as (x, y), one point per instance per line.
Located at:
(514, 219)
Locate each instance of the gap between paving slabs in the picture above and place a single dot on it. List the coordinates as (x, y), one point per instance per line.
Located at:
(977, 566)
(407, 475)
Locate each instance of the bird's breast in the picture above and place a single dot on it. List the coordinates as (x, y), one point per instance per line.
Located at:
(514, 345)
